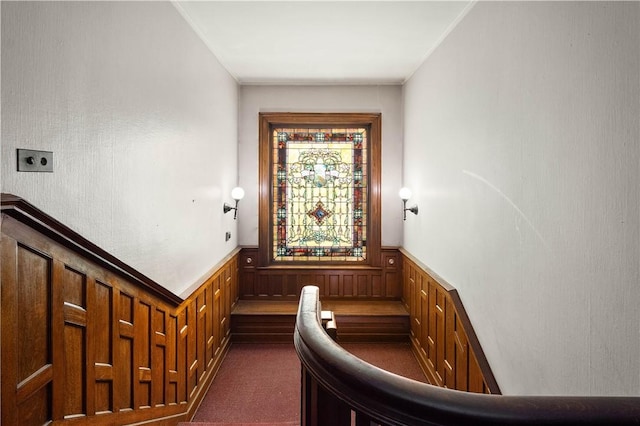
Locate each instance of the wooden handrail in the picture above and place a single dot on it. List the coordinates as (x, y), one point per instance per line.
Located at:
(27, 213)
(336, 383)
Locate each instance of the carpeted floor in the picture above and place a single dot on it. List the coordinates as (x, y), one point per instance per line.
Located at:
(394, 357)
(256, 383)
(260, 383)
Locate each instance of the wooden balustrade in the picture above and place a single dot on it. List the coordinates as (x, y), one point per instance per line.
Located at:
(337, 385)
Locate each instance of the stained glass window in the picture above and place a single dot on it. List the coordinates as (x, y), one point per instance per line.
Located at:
(320, 194)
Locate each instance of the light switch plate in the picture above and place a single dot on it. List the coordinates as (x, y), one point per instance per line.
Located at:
(35, 161)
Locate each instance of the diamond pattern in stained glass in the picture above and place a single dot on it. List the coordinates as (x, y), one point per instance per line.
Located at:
(319, 213)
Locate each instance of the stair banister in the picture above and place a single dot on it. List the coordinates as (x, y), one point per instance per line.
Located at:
(334, 383)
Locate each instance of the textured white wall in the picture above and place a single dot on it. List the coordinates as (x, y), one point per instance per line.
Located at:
(142, 120)
(383, 99)
(522, 146)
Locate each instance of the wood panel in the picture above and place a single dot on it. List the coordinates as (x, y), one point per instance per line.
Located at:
(82, 342)
(31, 376)
(441, 334)
(284, 282)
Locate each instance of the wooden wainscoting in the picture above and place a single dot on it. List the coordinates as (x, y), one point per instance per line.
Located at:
(87, 339)
(362, 298)
(441, 334)
(273, 321)
(284, 282)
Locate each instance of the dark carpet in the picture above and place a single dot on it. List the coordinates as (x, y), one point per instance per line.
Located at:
(256, 383)
(394, 357)
(260, 383)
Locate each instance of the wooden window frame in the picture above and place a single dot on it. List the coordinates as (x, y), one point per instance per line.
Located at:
(268, 120)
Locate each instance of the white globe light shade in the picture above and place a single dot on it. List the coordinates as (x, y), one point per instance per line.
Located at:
(405, 193)
(237, 193)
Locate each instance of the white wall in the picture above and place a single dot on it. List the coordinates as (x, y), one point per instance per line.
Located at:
(522, 146)
(384, 99)
(142, 121)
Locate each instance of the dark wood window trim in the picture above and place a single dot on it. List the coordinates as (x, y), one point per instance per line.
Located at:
(269, 119)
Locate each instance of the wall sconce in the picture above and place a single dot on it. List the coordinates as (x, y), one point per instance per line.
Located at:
(405, 194)
(237, 194)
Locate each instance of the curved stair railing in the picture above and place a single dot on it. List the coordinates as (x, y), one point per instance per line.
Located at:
(338, 388)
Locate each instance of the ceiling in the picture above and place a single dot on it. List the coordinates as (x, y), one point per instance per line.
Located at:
(322, 42)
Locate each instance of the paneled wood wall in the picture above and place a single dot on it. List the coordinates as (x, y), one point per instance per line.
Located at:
(441, 334)
(284, 282)
(83, 341)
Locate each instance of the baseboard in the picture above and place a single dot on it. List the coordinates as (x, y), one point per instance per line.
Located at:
(212, 372)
